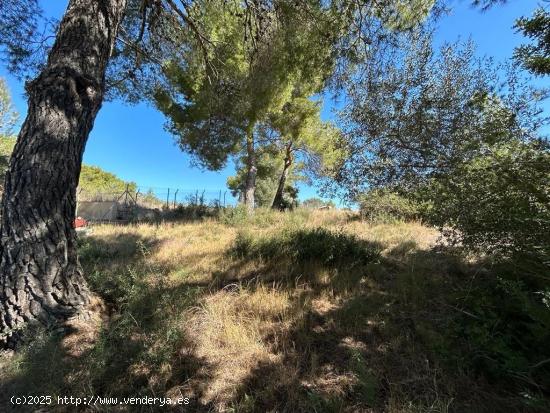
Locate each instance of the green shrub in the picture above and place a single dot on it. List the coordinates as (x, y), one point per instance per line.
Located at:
(497, 203)
(192, 212)
(380, 205)
(262, 217)
(505, 332)
(6, 148)
(234, 216)
(306, 245)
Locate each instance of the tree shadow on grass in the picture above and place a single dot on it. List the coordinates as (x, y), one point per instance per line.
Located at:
(364, 337)
(313, 256)
(371, 336)
(140, 350)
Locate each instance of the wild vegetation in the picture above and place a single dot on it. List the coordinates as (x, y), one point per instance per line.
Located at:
(302, 311)
(8, 119)
(94, 180)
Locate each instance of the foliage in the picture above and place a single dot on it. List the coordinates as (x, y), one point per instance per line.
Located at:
(22, 28)
(238, 217)
(194, 209)
(401, 15)
(6, 148)
(507, 330)
(380, 205)
(294, 138)
(290, 198)
(268, 164)
(154, 33)
(8, 114)
(535, 58)
(204, 112)
(299, 246)
(94, 180)
(234, 216)
(300, 133)
(498, 202)
(442, 129)
(420, 113)
(316, 203)
(8, 119)
(212, 111)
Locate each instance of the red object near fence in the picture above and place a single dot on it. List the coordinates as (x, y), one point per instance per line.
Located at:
(80, 222)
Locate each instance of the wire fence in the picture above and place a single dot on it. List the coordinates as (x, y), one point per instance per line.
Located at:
(140, 203)
(161, 198)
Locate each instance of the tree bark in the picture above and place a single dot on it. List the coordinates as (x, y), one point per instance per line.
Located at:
(278, 200)
(41, 280)
(251, 171)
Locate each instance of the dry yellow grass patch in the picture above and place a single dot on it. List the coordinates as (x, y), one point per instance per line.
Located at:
(193, 250)
(229, 330)
(197, 249)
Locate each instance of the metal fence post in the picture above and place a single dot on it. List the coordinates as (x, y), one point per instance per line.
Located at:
(175, 196)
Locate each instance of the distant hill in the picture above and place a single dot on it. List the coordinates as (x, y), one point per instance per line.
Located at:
(93, 179)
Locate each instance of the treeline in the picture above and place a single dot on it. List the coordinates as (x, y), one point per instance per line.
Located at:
(94, 180)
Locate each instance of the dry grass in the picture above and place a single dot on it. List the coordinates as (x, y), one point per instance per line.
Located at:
(260, 334)
(229, 329)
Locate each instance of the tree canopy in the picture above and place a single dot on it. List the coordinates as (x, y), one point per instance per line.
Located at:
(535, 57)
(211, 111)
(423, 112)
(94, 180)
(8, 114)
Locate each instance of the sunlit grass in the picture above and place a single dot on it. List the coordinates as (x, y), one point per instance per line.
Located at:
(303, 311)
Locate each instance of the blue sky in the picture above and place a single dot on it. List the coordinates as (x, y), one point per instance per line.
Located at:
(130, 141)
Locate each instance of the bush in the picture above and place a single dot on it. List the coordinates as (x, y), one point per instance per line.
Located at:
(307, 245)
(262, 217)
(498, 203)
(192, 212)
(380, 205)
(234, 216)
(505, 332)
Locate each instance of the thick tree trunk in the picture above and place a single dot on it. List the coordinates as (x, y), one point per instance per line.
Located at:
(278, 200)
(251, 171)
(40, 277)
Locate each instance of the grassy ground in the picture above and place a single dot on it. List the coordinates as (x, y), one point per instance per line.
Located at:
(297, 312)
